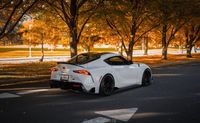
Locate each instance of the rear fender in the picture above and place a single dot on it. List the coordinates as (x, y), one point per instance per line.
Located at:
(97, 75)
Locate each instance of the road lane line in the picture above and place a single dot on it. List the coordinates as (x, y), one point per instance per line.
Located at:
(97, 120)
(8, 95)
(35, 91)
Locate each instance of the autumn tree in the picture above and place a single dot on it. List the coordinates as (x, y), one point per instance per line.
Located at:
(40, 30)
(172, 15)
(11, 13)
(53, 26)
(91, 35)
(191, 29)
(192, 36)
(128, 19)
(75, 14)
(33, 33)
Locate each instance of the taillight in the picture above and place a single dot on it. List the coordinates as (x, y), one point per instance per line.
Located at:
(54, 69)
(84, 72)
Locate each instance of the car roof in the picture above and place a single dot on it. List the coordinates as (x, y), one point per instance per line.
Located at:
(103, 55)
(108, 55)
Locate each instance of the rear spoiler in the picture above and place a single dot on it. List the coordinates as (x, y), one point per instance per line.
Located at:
(63, 63)
(70, 64)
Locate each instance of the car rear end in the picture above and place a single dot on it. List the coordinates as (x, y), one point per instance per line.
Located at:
(68, 76)
(73, 75)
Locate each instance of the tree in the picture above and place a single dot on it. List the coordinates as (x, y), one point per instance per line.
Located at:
(11, 13)
(90, 35)
(75, 14)
(40, 30)
(129, 19)
(33, 33)
(145, 42)
(172, 15)
(192, 27)
(192, 36)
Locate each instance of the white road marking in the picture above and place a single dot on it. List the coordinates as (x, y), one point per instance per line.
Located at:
(119, 114)
(97, 120)
(8, 95)
(35, 91)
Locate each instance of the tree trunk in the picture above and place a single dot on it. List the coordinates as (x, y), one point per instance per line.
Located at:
(132, 41)
(146, 48)
(188, 45)
(73, 27)
(130, 55)
(121, 49)
(42, 51)
(73, 44)
(164, 42)
(89, 44)
(146, 45)
(4, 42)
(130, 49)
(189, 49)
(164, 53)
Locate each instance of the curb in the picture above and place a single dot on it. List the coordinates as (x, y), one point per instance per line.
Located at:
(175, 63)
(21, 83)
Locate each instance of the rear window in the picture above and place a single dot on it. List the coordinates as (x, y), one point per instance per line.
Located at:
(84, 58)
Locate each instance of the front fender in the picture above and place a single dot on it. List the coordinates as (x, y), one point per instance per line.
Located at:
(143, 67)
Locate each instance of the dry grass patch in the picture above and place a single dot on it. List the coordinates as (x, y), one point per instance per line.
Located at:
(156, 59)
(14, 73)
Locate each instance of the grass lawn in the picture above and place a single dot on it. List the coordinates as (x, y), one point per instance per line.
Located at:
(24, 52)
(40, 72)
(25, 73)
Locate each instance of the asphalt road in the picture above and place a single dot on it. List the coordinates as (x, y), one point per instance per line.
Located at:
(173, 97)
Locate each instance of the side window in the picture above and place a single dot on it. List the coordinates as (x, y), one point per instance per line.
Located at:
(117, 60)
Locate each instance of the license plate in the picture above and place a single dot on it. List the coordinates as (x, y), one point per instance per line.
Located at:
(65, 77)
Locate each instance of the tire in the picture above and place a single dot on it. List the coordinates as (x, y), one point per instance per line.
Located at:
(107, 85)
(146, 78)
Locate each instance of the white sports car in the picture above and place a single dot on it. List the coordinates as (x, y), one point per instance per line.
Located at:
(99, 73)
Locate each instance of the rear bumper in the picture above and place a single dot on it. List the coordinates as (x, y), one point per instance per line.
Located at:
(65, 85)
(69, 85)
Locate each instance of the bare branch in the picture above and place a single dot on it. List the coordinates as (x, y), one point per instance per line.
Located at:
(58, 11)
(88, 18)
(66, 16)
(113, 27)
(81, 3)
(5, 5)
(153, 27)
(2, 33)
